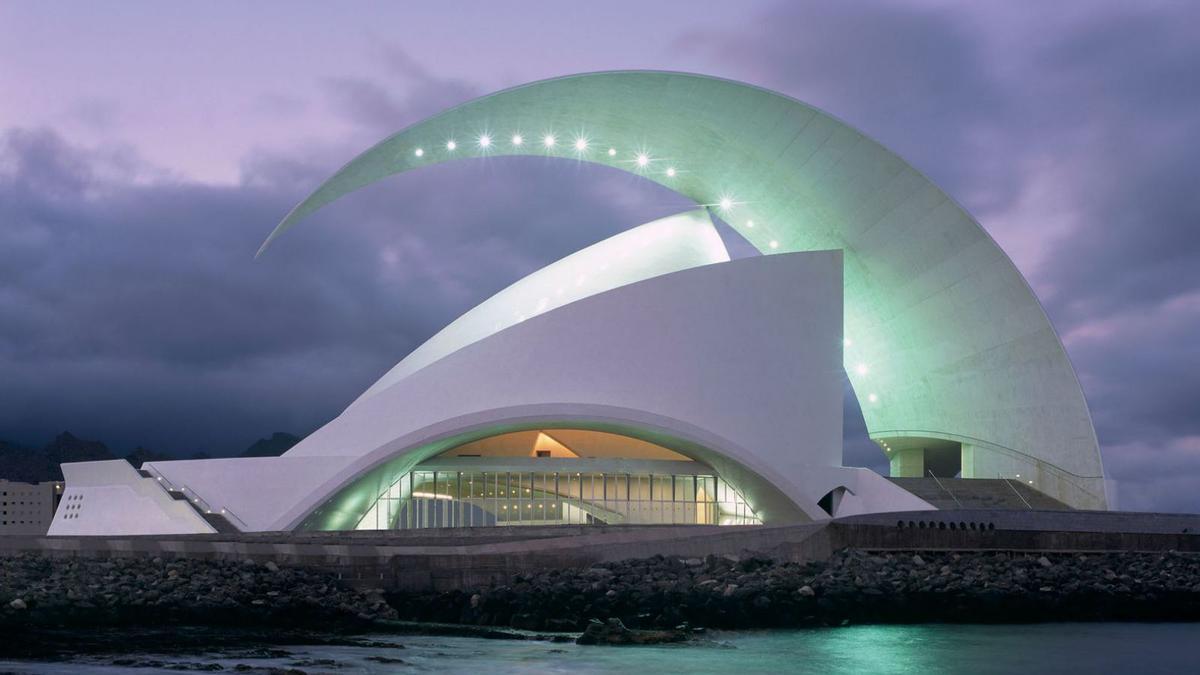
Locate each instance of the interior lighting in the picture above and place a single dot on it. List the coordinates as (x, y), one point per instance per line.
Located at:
(485, 141)
(872, 398)
(671, 171)
(612, 152)
(862, 369)
(726, 203)
(451, 145)
(846, 342)
(419, 152)
(774, 244)
(581, 144)
(642, 159)
(517, 140)
(750, 223)
(548, 140)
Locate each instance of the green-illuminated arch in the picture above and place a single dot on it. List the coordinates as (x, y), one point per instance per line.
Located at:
(945, 340)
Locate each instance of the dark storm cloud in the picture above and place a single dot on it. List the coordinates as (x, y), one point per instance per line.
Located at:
(911, 77)
(1072, 134)
(134, 311)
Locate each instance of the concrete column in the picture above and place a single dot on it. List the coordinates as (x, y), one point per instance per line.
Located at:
(908, 463)
(969, 466)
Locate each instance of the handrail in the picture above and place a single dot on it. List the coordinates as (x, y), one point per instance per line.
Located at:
(197, 502)
(1041, 464)
(1008, 482)
(944, 488)
(229, 512)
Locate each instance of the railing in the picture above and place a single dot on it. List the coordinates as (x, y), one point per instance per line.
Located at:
(1008, 482)
(1080, 484)
(195, 500)
(944, 488)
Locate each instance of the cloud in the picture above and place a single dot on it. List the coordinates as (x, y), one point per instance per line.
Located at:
(133, 310)
(1071, 133)
(408, 93)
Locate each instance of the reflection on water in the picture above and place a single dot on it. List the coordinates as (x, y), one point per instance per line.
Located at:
(927, 649)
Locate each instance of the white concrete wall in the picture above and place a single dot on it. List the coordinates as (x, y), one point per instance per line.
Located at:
(699, 354)
(669, 244)
(254, 491)
(945, 338)
(111, 497)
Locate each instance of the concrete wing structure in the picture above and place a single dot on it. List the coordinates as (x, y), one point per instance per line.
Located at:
(953, 360)
(667, 245)
(649, 360)
(662, 389)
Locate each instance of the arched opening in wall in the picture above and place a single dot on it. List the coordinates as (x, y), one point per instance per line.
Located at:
(557, 476)
(915, 457)
(832, 500)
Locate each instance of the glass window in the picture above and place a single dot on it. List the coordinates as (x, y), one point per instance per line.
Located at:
(685, 488)
(617, 487)
(664, 489)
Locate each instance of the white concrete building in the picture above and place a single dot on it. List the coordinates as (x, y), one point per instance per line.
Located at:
(649, 378)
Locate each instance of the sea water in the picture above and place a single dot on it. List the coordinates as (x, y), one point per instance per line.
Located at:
(924, 649)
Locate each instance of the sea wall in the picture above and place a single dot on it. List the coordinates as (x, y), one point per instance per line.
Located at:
(753, 591)
(746, 590)
(36, 590)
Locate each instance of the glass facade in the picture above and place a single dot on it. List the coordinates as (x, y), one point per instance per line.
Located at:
(425, 499)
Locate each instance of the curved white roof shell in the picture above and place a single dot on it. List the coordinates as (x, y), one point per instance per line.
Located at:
(667, 245)
(944, 339)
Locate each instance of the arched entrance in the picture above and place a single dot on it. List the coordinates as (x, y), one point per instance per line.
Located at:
(557, 476)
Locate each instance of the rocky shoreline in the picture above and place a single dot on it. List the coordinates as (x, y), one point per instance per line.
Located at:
(610, 602)
(751, 591)
(39, 591)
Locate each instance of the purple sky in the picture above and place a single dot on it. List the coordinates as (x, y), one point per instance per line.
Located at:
(147, 148)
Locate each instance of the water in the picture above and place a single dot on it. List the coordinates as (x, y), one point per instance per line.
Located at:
(925, 649)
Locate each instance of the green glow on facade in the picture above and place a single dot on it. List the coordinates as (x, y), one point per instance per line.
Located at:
(945, 339)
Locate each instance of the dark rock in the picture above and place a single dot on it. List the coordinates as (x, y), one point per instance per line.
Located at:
(614, 632)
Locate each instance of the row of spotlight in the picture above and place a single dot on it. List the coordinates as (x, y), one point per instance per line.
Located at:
(582, 145)
(549, 141)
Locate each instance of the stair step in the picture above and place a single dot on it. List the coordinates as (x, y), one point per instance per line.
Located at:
(992, 493)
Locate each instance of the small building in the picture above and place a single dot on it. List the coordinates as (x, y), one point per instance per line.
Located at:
(28, 508)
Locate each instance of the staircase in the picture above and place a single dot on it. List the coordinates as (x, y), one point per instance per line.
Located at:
(979, 493)
(218, 521)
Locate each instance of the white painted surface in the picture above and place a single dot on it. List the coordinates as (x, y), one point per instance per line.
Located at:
(111, 497)
(667, 245)
(699, 354)
(255, 491)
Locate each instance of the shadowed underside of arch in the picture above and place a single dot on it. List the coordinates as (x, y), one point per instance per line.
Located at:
(944, 338)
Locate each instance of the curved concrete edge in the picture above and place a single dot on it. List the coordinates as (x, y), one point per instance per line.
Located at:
(917, 262)
(111, 498)
(670, 244)
(651, 357)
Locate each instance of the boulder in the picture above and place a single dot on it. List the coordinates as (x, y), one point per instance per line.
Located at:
(614, 632)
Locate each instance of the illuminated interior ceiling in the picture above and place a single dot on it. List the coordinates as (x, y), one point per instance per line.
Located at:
(944, 339)
(670, 244)
(565, 443)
